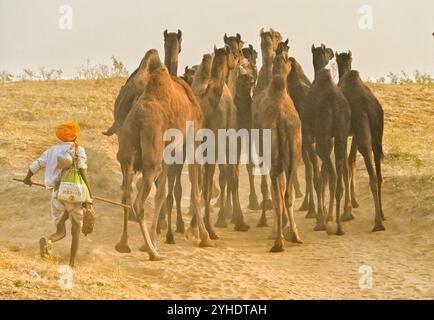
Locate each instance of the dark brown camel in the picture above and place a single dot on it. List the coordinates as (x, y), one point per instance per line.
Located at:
(188, 75)
(327, 116)
(367, 122)
(279, 115)
(167, 103)
(298, 87)
(269, 43)
(219, 113)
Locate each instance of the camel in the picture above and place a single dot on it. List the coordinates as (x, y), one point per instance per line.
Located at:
(298, 86)
(188, 75)
(219, 112)
(136, 82)
(132, 89)
(327, 116)
(279, 115)
(167, 103)
(367, 122)
(269, 42)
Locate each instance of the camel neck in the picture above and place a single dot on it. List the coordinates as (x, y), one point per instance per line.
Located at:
(171, 62)
(342, 70)
(219, 69)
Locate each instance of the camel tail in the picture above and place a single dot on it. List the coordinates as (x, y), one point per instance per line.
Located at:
(110, 131)
(376, 124)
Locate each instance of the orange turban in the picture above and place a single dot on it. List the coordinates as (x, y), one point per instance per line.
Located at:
(68, 131)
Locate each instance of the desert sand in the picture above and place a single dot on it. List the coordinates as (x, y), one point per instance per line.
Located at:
(239, 266)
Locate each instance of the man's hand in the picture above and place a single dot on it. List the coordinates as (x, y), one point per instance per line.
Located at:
(27, 180)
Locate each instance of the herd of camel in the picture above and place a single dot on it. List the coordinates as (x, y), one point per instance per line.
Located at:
(225, 91)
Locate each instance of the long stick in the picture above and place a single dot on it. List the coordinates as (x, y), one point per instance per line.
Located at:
(94, 197)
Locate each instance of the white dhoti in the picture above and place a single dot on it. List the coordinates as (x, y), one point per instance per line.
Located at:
(58, 208)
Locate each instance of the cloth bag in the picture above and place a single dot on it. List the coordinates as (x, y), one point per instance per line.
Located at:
(72, 188)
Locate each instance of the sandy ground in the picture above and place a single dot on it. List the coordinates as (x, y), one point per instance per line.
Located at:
(239, 266)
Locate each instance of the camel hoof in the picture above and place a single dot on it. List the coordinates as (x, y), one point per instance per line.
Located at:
(304, 206)
(206, 244)
(180, 228)
(378, 227)
(122, 247)
(132, 217)
(268, 204)
(290, 236)
(170, 240)
(162, 224)
(354, 203)
(242, 227)
(298, 194)
(347, 217)
(155, 258)
(320, 227)
(143, 248)
(278, 247)
(221, 223)
(340, 232)
(262, 224)
(310, 215)
(213, 235)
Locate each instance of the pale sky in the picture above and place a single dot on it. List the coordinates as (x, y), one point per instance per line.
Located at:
(30, 37)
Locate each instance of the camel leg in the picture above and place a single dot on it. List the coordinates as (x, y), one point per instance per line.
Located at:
(160, 196)
(373, 183)
(298, 193)
(352, 172)
(377, 159)
(240, 224)
(221, 218)
(341, 165)
(320, 224)
(128, 174)
(178, 197)
(253, 198)
(308, 203)
(264, 190)
(193, 172)
(207, 189)
(229, 209)
(144, 190)
(277, 186)
(169, 202)
(293, 235)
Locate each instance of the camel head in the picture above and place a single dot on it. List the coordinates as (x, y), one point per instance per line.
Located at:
(232, 57)
(344, 62)
(188, 75)
(321, 56)
(282, 65)
(234, 42)
(172, 48)
(250, 54)
(269, 40)
(282, 47)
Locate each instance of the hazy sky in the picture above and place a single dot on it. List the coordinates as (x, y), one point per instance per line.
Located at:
(30, 37)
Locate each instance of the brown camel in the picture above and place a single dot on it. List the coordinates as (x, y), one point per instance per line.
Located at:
(136, 82)
(298, 87)
(367, 122)
(279, 115)
(269, 42)
(132, 89)
(219, 113)
(168, 103)
(188, 75)
(327, 116)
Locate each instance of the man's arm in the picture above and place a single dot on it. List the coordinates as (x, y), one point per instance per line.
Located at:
(84, 176)
(27, 179)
